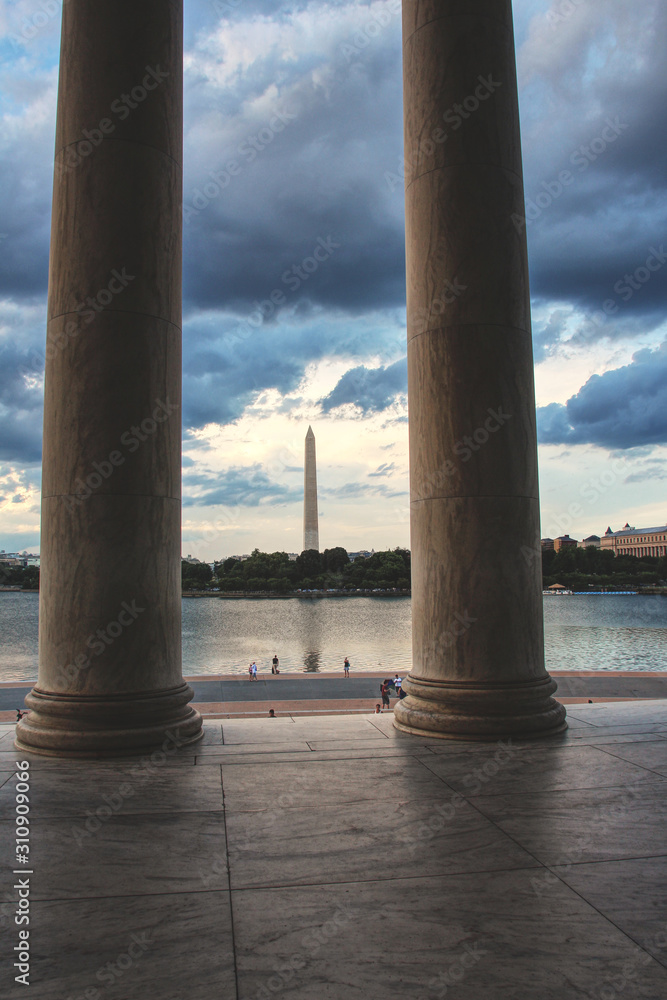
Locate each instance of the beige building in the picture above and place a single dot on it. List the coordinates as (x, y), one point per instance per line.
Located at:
(636, 541)
(593, 541)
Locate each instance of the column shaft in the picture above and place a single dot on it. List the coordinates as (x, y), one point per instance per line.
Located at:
(110, 678)
(478, 660)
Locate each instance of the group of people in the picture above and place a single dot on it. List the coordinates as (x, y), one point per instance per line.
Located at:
(389, 684)
(385, 688)
(275, 667)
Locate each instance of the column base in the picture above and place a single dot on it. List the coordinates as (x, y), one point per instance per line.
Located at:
(481, 711)
(66, 725)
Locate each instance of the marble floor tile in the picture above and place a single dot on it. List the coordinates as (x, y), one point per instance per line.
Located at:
(212, 735)
(256, 730)
(570, 827)
(363, 743)
(8, 757)
(125, 788)
(584, 736)
(309, 756)
(621, 713)
(482, 936)
(5, 777)
(499, 771)
(125, 855)
(332, 822)
(227, 749)
(651, 755)
(167, 947)
(631, 894)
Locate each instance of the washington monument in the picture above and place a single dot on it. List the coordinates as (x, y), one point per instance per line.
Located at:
(311, 534)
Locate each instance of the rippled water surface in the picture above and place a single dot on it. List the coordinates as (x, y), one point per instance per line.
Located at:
(223, 636)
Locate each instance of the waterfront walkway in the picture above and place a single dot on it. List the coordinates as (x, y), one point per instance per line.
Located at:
(335, 857)
(298, 694)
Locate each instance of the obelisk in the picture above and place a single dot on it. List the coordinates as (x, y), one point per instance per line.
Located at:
(311, 533)
(478, 667)
(110, 679)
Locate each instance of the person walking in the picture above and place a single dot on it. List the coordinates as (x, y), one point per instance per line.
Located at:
(274, 664)
(397, 684)
(253, 671)
(346, 667)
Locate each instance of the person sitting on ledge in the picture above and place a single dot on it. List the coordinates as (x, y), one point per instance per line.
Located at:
(272, 713)
(378, 710)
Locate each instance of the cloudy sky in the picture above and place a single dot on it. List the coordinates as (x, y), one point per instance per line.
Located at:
(303, 99)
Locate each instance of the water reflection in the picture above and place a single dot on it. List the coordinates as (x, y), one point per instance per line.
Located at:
(223, 636)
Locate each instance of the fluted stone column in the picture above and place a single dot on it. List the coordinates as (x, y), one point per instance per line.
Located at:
(478, 661)
(110, 679)
(311, 531)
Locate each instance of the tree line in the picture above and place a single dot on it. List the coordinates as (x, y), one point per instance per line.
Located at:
(591, 568)
(275, 572)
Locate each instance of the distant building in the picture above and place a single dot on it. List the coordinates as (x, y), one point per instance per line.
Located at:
(636, 541)
(593, 541)
(362, 554)
(564, 542)
(547, 544)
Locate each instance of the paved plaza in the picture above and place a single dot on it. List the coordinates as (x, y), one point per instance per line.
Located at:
(333, 857)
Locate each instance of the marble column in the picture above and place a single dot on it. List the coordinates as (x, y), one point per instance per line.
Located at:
(311, 532)
(478, 660)
(110, 679)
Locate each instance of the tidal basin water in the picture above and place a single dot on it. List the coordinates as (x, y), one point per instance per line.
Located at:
(222, 636)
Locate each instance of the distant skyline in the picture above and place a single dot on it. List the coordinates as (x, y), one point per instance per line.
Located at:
(294, 286)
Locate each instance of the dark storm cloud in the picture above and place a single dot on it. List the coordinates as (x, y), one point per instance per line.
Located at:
(236, 486)
(596, 164)
(265, 185)
(624, 408)
(225, 370)
(306, 103)
(371, 389)
(20, 409)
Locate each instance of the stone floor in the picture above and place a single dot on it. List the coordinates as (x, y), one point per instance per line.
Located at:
(332, 857)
